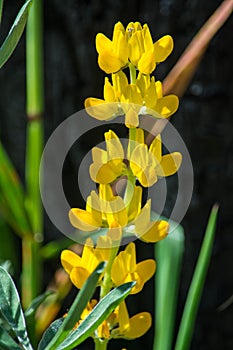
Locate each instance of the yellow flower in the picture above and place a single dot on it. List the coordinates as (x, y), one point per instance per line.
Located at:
(107, 165)
(80, 268)
(149, 164)
(143, 53)
(133, 327)
(125, 269)
(113, 55)
(120, 97)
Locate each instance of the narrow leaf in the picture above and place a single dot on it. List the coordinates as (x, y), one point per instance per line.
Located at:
(6, 342)
(169, 253)
(50, 333)
(100, 313)
(195, 290)
(1, 8)
(14, 34)
(11, 309)
(36, 303)
(77, 307)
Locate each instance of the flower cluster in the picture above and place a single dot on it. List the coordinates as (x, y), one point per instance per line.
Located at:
(121, 171)
(132, 48)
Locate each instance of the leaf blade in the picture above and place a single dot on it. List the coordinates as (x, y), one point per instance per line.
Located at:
(11, 309)
(14, 34)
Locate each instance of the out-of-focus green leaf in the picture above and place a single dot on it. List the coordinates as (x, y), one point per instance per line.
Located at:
(1, 8)
(100, 313)
(11, 309)
(77, 307)
(36, 303)
(52, 249)
(14, 34)
(6, 342)
(12, 196)
(195, 290)
(168, 253)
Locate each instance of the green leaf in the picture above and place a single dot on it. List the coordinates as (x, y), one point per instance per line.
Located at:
(100, 313)
(168, 253)
(14, 34)
(52, 249)
(11, 309)
(77, 307)
(50, 333)
(1, 8)
(36, 303)
(6, 342)
(12, 196)
(195, 290)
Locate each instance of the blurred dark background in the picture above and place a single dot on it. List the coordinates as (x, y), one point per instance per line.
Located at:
(204, 120)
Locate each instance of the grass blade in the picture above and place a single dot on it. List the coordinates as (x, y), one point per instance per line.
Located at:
(195, 291)
(14, 34)
(169, 254)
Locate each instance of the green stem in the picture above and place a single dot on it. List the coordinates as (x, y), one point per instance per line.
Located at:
(101, 344)
(32, 264)
(107, 281)
(132, 71)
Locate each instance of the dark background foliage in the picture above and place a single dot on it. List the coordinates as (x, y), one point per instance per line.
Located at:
(204, 121)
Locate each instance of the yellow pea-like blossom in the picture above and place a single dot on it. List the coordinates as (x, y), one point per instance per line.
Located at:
(133, 327)
(143, 97)
(143, 53)
(80, 268)
(107, 165)
(149, 164)
(113, 54)
(126, 269)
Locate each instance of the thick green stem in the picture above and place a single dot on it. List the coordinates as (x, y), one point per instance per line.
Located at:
(101, 344)
(32, 265)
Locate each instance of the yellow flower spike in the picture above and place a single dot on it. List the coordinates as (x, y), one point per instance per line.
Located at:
(113, 55)
(147, 230)
(125, 269)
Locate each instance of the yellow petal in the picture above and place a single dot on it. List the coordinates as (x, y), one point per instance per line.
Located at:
(109, 62)
(134, 206)
(93, 206)
(163, 47)
(139, 325)
(156, 148)
(143, 219)
(70, 260)
(131, 263)
(139, 159)
(159, 88)
(147, 177)
(136, 47)
(109, 93)
(104, 244)
(120, 47)
(120, 83)
(123, 317)
(131, 118)
(119, 272)
(151, 95)
(83, 220)
(105, 192)
(103, 43)
(102, 174)
(148, 42)
(147, 63)
(157, 231)
(117, 213)
(139, 282)
(167, 105)
(99, 109)
(78, 276)
(169, 164)
(113, 146)
(143, 82)
(146, 269)
(99, 155)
